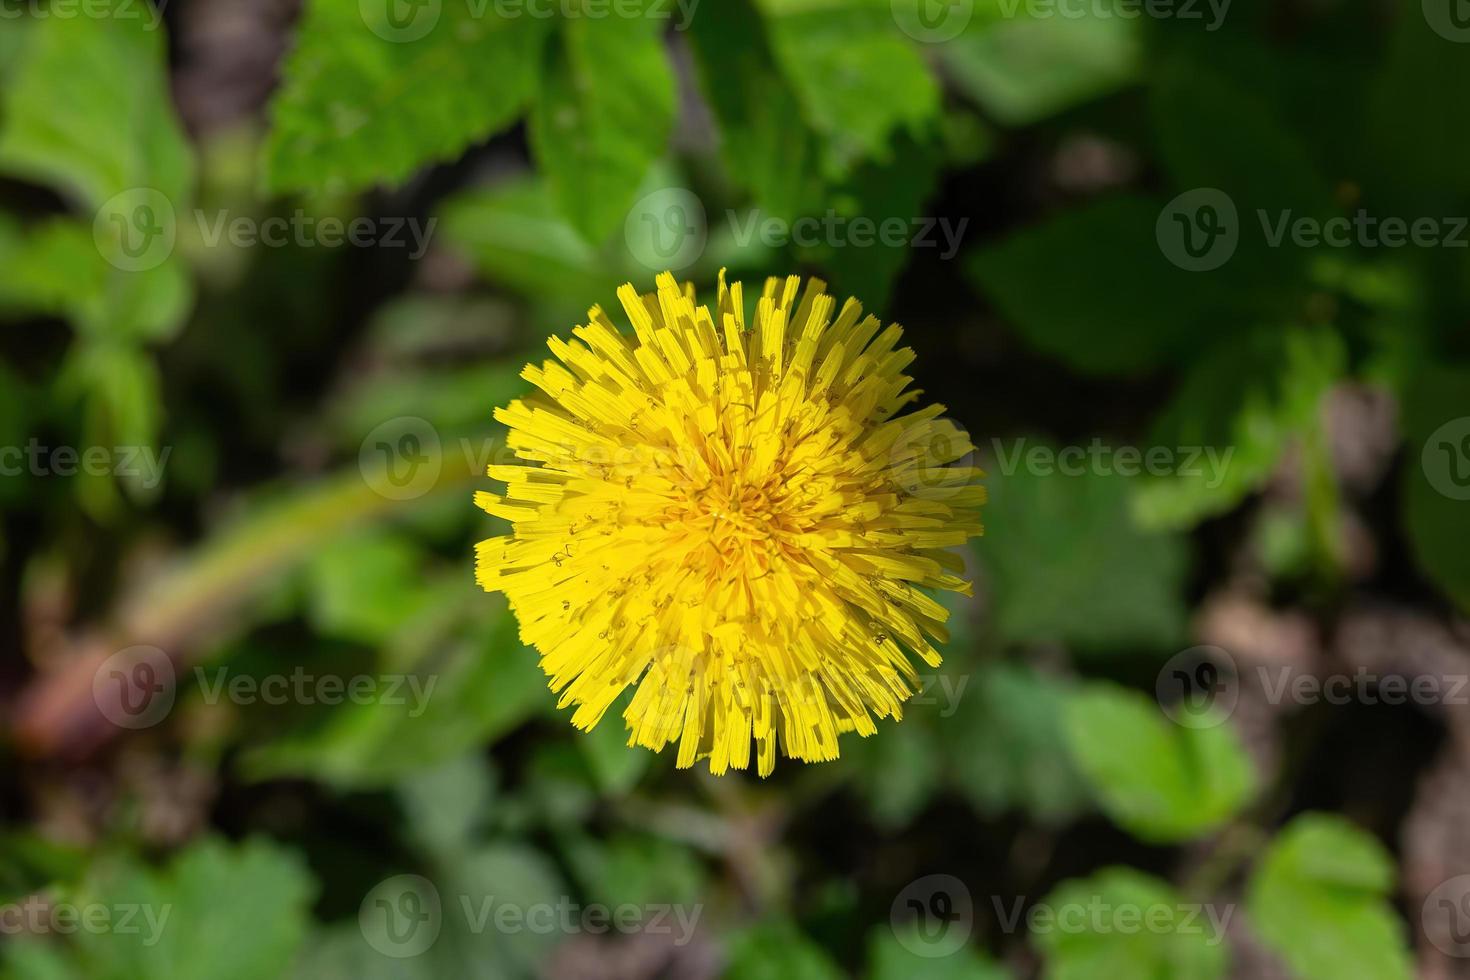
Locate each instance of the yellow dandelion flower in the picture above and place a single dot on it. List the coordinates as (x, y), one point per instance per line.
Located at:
(737, 523)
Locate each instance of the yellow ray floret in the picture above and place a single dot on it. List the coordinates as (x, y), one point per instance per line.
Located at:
(736, 522)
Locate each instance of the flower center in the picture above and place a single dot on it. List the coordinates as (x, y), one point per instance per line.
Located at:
(741, 524)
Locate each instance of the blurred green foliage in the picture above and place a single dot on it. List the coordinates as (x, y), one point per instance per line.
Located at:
(552, 153)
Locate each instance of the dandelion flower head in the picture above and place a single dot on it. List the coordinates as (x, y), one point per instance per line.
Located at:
(743, 524)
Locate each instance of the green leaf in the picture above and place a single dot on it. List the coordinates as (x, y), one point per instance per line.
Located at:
(119, 391)
(1159, 780)
(897, 770)
(252, 936)
(482, 690)
(515, 236)
(889, 958)
(120, 385)
(446, 803)
(1415, 137)
(35, 959)
(1237, 412)
(616, 765)
(766, 147)
(1068, 565)
(603, 115)
(561, 786)
(368, 586)
(1022, 69)
(777, 950)
(87, 109)
(1008, 749)
(967, 138)
(1093, 288)
(470, 889)
(638, 870)
(1436, 475)
(1214, 134)
(340, 953)
(893, 191)
(1281, 541)
(480, 884)
(12, 42)
(88, 112)
(57, 268)
(1320, 898)
(857, 78)
(1121, 924)
(452, 399)
(363, 103)
(30, 857)
(51, 268)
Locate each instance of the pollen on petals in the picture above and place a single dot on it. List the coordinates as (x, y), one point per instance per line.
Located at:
(739, 522)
